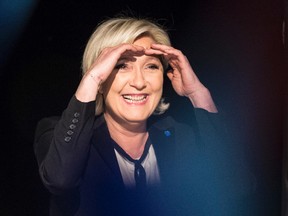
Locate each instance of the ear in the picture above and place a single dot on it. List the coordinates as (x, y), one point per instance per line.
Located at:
(100, 90)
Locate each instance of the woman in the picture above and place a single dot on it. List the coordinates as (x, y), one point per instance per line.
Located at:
(103, 156)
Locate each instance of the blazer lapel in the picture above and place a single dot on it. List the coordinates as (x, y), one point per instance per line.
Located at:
(162, 136)
(163, 141)
(104, 146)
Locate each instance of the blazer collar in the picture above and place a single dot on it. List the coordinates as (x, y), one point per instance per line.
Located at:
(102, 141)
(162, 137)
(163, 140)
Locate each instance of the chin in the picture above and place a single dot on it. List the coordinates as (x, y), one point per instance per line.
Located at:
(137, 119)
(130, 117)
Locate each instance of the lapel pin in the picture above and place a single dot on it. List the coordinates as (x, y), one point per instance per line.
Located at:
(167, 133)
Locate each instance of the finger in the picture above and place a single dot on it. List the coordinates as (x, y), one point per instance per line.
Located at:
(160, 46)
(168, 50)
(129, 48)
(170, 74)
(153, 52)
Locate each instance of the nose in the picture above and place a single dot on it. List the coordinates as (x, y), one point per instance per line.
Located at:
(138, 80)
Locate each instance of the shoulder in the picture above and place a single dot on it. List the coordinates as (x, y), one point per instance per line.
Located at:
(165, 122)
(169, 126)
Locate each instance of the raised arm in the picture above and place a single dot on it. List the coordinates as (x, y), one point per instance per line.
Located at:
(62, 146)
(102, 68)
(183, 78)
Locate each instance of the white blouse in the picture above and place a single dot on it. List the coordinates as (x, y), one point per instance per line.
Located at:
(149, 163)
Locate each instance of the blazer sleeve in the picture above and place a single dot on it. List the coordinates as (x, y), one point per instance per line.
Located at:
(62, 145)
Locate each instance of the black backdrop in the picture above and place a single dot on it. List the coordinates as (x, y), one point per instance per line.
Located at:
(235, 47)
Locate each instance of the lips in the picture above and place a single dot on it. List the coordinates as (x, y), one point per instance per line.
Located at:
(135, 98)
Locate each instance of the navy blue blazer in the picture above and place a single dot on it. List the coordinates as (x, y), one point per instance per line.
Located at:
(201, 171)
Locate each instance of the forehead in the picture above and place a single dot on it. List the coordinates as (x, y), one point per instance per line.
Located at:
(144, 41)
(143, 58)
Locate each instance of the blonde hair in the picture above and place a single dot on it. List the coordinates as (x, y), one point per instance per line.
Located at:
(115, 31)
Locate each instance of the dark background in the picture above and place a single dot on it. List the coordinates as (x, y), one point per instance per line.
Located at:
(235, 47)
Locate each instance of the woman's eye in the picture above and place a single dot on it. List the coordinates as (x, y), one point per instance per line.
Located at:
(121, 66)
(153, 67)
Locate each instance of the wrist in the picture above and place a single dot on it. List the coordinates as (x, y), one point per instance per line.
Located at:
(88, 88)
(95, 78)
(203, 99)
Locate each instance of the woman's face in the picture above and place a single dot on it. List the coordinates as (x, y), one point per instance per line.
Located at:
(134, 89)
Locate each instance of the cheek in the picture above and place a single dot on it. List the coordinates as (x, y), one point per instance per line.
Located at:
(157, 82)
(109, 88)
(114, 83)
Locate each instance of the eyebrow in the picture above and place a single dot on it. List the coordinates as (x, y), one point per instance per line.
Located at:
(126, 58)
(132, 58)
(154, 57)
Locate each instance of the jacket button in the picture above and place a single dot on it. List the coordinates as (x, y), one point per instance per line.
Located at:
(76, 114)
(74, 120)
(67, 139)
(70, 132)
(72, 126)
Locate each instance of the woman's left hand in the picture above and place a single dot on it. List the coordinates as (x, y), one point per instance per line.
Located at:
(183, 78)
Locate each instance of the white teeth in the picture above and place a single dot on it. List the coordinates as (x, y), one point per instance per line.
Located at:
(135, 98)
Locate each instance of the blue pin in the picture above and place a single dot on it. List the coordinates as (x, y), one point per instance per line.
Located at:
(167, 133)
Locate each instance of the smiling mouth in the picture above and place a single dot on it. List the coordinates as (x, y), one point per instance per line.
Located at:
(136, 99)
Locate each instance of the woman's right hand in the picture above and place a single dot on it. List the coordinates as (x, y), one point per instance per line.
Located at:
(102, 68)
